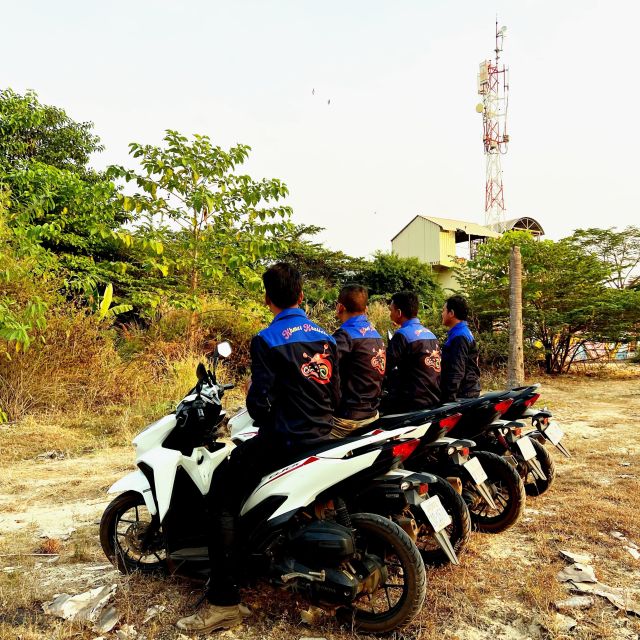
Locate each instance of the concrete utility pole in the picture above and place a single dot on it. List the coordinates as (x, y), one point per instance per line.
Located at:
(515, 365)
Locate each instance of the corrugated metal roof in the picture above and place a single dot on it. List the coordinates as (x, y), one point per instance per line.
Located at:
(448, 224)
(526, 223)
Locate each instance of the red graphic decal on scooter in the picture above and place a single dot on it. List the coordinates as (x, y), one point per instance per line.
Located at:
(319, 367)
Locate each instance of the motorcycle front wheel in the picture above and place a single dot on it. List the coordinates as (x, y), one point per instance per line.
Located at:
(129, 537)
(400, 595)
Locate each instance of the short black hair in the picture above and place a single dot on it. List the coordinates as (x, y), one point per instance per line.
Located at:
(283, 285)
(407, 302)
(459, 306)
(354, 297)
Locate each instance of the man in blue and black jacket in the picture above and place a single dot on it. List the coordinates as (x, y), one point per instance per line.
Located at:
(294, 391)
(362, 358)
(413, 360)
(460, 371)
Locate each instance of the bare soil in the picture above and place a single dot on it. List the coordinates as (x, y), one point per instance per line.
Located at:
(505, 588)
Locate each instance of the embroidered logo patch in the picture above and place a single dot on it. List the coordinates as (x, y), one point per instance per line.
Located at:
(379, 361)
(433, 359)
(318, 368)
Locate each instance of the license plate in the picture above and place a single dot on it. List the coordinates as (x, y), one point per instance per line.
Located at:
(475, 470)
(436, 515)
(554, 432)
(526, 448)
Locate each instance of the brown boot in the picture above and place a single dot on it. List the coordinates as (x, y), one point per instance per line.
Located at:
(210, 618)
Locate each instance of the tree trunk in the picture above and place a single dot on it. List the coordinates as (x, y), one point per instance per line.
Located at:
(515, 366)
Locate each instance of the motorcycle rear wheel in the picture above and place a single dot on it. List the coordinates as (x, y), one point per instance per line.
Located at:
(459, 530)
(405, 584)
(122, 527)
(508, 493)
(534, 486)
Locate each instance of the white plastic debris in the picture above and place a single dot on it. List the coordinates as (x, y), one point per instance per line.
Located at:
(152, 612)
(107, 620)
(126, 632)
(50, 455)
(584, 558)
(83, 606)
(565, 624)
(617, 597)
(575, 602)
(633, 551)
(577, 572)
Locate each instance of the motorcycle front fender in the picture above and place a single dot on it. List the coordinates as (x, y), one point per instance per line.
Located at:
(135, 481)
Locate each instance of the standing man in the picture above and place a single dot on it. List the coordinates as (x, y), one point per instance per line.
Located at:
(362, 358)
(293, 394)
(413, 360)
(460, 371)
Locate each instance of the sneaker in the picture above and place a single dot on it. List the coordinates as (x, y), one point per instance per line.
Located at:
(210, 618)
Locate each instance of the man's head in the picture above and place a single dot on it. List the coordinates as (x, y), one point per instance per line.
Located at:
(352, 301)
(455, 310)
(403, 306)
(282, 287)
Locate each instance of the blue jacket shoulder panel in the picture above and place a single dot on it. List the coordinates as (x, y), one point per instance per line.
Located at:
(460, 330)
(359, 327)
(292, 325)
(412, 330)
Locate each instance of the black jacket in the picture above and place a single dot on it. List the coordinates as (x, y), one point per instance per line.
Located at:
(295, 383)
(362, 360)
(460, 371)
(413, 369)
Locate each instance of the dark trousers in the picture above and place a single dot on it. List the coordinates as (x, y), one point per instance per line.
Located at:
(232, 483)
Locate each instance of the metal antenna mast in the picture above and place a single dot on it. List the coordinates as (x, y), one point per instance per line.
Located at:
(493, 86)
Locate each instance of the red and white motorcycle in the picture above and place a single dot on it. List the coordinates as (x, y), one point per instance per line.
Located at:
(295, 528)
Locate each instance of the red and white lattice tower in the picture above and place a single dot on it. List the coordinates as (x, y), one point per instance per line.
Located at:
(493, 86)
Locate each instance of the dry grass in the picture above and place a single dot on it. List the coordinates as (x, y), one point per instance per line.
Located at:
(504, 589)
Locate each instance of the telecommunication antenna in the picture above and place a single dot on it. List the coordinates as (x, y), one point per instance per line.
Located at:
(493, 86)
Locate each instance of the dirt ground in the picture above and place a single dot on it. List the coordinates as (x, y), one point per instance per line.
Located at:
(505, 588)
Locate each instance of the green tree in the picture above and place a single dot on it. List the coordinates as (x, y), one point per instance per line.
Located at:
(387, 273)
(565, 297)
(33, 132)
(324, 271)
(213, 224)
(618, 249)
(54, 200)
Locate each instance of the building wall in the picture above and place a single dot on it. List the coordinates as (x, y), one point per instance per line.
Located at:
(447, 248)
(445, 278)
(420, 239)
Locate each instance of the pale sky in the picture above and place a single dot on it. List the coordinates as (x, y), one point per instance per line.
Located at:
(401, 135)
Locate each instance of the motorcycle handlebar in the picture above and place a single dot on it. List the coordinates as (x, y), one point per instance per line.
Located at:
(227, 386)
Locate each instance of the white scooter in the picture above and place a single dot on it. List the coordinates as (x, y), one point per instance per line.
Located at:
(294, 528)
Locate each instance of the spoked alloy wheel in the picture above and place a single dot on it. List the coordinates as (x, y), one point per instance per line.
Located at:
(401, 584)
(126, 537)
(458, 531)
(508, 494)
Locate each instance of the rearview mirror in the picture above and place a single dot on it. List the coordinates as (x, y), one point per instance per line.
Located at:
(223, 349)
(201, 372)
